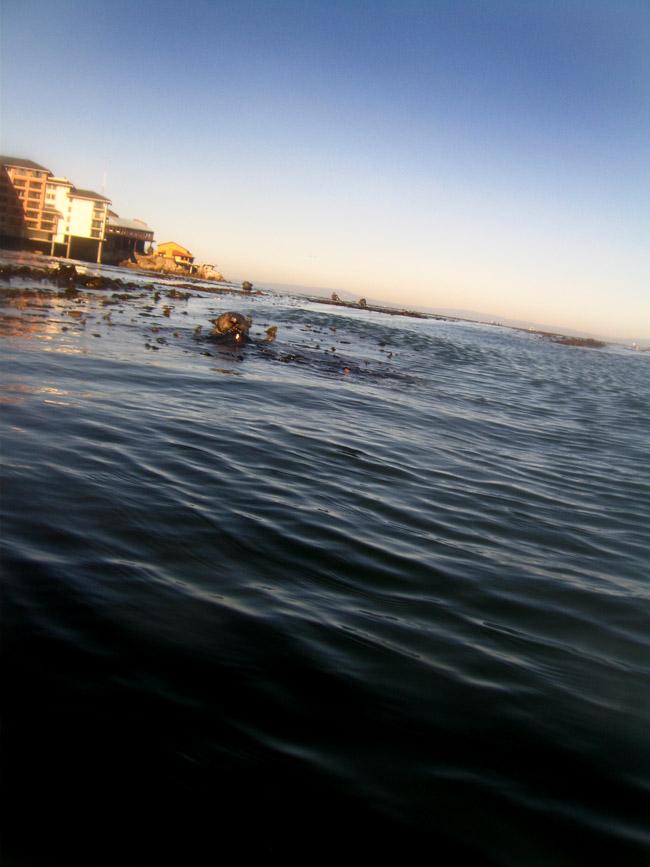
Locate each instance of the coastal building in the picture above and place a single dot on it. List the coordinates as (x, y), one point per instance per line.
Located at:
(125, 238)
(179, 255)
(57, 195)
(28, 217)
(42, 212)
(81, 220)
(39, 211)
(85, 224)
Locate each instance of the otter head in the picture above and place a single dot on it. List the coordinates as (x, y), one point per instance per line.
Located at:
(233, 326)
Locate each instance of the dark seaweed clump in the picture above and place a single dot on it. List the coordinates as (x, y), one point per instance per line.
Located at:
(64, 276)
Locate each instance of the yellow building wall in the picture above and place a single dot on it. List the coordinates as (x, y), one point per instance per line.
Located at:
(170, 249)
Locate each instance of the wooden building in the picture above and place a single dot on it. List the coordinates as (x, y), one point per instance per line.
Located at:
(125, 238)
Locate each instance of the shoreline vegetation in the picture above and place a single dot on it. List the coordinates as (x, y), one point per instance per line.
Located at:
(67, 278)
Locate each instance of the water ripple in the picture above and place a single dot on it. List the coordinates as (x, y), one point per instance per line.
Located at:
(412, 597)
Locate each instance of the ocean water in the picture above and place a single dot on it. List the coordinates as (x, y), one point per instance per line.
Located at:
(379, 588)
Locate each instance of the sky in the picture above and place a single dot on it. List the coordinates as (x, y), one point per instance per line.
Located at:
(489, 155)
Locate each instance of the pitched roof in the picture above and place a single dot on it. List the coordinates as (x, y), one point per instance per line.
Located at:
(23, 164)
(88, 194)
(179, 249)
(63, 182)
(135, 225)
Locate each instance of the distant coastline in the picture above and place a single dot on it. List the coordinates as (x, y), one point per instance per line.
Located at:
(65, 275)
(324, 295)
(552, 336)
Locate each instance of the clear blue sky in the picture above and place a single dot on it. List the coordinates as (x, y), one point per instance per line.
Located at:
(489, 155)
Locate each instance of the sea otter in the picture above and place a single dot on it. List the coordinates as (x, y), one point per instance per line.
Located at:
(233, 326)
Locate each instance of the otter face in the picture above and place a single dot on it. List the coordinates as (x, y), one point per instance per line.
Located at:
(232, 325)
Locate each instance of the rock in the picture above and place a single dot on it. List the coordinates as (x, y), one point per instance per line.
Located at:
(163, 265)
(207, 272)
(589, 342)
(246, 286)
(96, 283)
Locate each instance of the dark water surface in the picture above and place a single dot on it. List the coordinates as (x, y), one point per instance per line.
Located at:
(290, 602)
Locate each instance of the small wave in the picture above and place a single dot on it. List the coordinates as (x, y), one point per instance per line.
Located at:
(357, 594)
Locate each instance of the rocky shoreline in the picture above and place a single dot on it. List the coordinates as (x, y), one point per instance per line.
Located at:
(67, 278)
(553, 337)
(363, 305)
(163, 265)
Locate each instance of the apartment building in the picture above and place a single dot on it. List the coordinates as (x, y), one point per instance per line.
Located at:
(26, 215)
(83, 215)
(39, 211)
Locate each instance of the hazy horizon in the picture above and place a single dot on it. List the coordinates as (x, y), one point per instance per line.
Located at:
(481, 316)
(464, 155)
